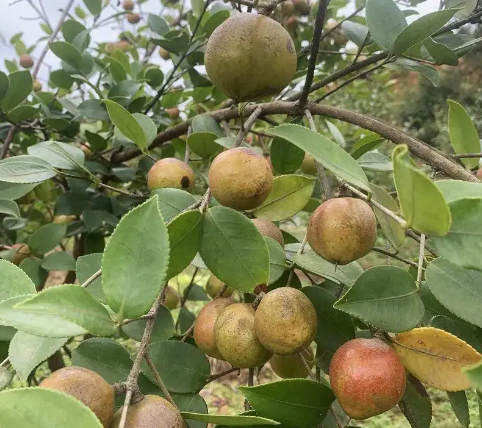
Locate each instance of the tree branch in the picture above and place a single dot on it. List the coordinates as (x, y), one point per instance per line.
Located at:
(91, 279)
(421, 256)
(8, 141)
(394, 256)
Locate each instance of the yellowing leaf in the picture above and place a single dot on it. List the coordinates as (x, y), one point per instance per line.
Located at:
(436, 357)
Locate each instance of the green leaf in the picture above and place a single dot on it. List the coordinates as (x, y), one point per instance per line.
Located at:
(105, 357)
(20, 86)
(25, 169)
(453, 190)
(70, 29)
(36, 273)
(337, 326)
(385, 21)
(135, 261)
(117, 70)
(373, 161)
(463, 133)
(403, 64)
(423, 206)
(288, 196)
(391, 228)
(355, 32)
(297, 403)
(67, 52)
(421, 29)
(59, 155)
(14, 191)
(4, 84)
(468, 333)
(6, 376)
(182, 367)
(458, 289)
(204, 144)
(385, 297)
(173, 201)
(97, 143)
(462, 245)
(215, 21)
(325, 151)
(465, 7)
(416, 404)
(285, 157)
(47, 237)
(27, 351)
(50, 408)
(277, 260)
(311, 262)
(61, 79)
(157, 24)
(94, 6)
(59, 260)
(126, 123)
(86, 267)
(22, 112)
(229, 420)
(440, 53)
(365, 144)
(9, 207)
(154, 77)
(474, 374)
(234, 250)
(13, 281)
(460, 406)
(93, 109)
(74, 304)
(185, 236)
(34, 323)
(163, 328)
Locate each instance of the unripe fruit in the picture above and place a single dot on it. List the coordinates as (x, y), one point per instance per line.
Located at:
(26, 61)
(215, 285)
(133, 18)
(123, 45)
(268, 228)
(43, 190)
(240, 178)
(37, 86)
(302, 7)
(170, 172)
(86, 150)
(87, 387)
(308, 165)
(21, 252)
(285, 321)
(291, 23)
(342, 230)
(151, 412)
(250, 57)
(204, 326)
(292, 366)
(236, 339)
(64, 219)
(164, 54)
(173, 112)
(172, 298)
(128, 4)
(288, 8)
(367, 377)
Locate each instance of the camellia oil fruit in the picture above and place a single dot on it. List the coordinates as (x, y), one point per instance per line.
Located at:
(86, 386)
(250, 57)
(292, 366)
(367, 377)
(240, 178)
(285, 321)
(269, 229)
(170, 172)
(342, 230)
(215, 285)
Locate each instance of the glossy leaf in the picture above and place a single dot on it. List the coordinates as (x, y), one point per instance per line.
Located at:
(453, 190)
(297, 403)
(229, 420)
(416, 404)
(22, 112)
(436, 357)
(67, 52)
(173, 201)
(404, 64)
(385, 297)
(59, 155)
(204, 144)
(14, 190)
(157, 24)
(13, 281)
(325, 151)
(163, 328)
(463, 133)
(19, 88)
(24, 169)
(355, 32)
(460, 406)
(9, 207)
(47, 237)
(94, 6)
(59, 260)
(288, 196)
(440, 53)
(4, 84)
(233, 249)
(285, 157)
(87, 266)
(374, 161)
(423, 206)
(277, 260)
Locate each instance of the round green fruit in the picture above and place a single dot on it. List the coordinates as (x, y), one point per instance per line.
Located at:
(292, 366)
(215, 285)
(172, 298)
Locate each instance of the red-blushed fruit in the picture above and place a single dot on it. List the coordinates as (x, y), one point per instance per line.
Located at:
(170, 172)
(21, 252)
(173, 112)
(479, 174)
(342, 230)
(240, 178)
(86, 386)
(128, 4)
(133, 18)
(25, 61)
(204, 326)
(268, 228)
(367, 377)
(164, 54)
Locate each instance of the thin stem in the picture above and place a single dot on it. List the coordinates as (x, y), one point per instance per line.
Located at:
(158, 378)
(8, 141)
(189, 287)
(222, 374)
(250, 383)
(307, 367)
(292, 269)
(187, 333)
(421, 255)
(394, 256)
(467, 155)
(122, 192)
(360, 49)
(315, 47)
(90, 280)
(247, 126)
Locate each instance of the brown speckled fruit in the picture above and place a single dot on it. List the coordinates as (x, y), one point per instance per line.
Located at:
(164, 54)
(204, 326)
(236, 339)
(342, 230)
(128, 4)
(215, 285)
(151, 412)
(170, 172)
(37, 86)
(292, 366)
(25, 61)
(367, 377)
(21, 252)
(133, 18)
(172, 298)
(240, 178)
(87, 387)
(268, 228)
(285, 321)
(250, 57)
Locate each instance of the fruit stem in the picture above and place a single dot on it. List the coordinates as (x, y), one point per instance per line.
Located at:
(421, 256)
(305, 363)
(159, 380)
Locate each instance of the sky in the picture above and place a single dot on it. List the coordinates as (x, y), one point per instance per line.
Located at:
(18, 18)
